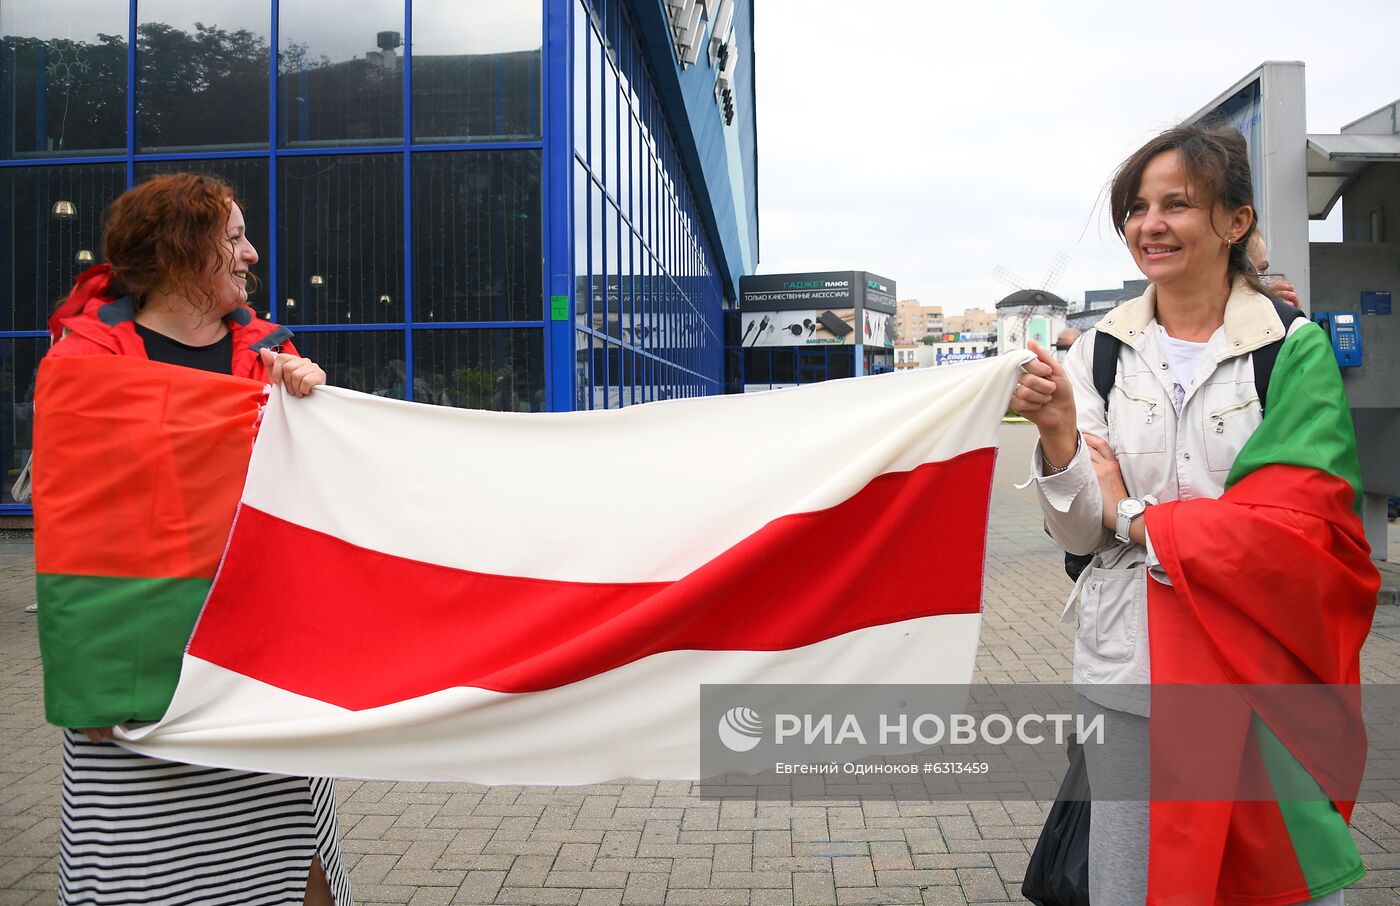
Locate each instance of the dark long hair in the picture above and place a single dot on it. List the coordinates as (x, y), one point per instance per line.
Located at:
(1216, 159)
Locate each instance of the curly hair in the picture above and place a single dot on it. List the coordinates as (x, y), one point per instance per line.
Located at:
(163, 233)
(1216, 160)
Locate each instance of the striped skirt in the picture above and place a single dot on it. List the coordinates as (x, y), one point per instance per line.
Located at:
(138, 830)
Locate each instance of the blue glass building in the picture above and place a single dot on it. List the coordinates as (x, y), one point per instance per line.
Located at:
(524, 205)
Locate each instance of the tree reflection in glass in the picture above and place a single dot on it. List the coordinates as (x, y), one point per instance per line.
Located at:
(63, 74)
(340, 72)
(201, 85)
(476, 70)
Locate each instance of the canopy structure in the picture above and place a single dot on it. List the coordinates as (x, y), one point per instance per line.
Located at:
(1335, 161)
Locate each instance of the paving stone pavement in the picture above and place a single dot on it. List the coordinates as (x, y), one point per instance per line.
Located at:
(633, 844)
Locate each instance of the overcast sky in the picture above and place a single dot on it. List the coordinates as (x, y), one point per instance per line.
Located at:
(931, 142)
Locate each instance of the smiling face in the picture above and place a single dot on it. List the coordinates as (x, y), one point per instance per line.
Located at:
(230, 270)
(1176, 235)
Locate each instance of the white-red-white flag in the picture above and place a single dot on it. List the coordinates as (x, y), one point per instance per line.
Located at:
(414, 592)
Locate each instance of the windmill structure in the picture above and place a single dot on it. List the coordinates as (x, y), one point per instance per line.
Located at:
(1029, 312)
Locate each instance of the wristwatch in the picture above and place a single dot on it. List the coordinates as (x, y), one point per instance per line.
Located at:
(1129, 508)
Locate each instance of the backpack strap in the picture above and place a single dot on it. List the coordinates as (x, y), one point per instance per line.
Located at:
(1265, 356)
(1106, 348)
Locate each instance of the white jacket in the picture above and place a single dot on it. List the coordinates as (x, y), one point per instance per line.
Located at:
(1163, 455)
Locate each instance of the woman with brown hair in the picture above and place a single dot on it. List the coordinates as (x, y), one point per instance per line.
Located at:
(134, 828)
(1218, 504)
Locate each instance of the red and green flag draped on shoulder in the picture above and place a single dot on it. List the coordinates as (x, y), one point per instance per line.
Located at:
(138, 467)
(1272, 586)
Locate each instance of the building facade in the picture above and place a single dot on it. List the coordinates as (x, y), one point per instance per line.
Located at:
(806, 328)
(914, 320)
(533, 205)
(972, 320)
(1099, 302)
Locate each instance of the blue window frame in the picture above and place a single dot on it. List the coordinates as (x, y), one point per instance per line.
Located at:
(530, 243)
(648, 298)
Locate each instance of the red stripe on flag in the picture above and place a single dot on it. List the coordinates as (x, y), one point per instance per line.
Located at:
(358, 628)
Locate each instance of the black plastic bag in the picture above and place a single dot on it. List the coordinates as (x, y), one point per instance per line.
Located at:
(1058, 873)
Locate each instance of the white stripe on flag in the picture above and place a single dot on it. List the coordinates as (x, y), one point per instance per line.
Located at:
(640, 720)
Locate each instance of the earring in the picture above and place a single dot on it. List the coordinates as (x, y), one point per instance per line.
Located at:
(1230, 241)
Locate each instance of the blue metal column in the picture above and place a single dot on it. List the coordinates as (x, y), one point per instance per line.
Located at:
(407, 65)
(273, 215)
(557, 200)
(131, 96)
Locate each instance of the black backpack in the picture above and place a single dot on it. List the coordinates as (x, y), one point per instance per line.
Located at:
(1106, 348)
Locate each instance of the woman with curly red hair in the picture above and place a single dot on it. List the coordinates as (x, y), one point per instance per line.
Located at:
(139, 829)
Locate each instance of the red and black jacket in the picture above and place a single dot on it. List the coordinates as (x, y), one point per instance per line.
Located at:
(93, 321)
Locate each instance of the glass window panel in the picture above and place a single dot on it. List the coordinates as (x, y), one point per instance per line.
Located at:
(624, 289)
(629, 377)
(598, 264)
(784, 365)
(370, 361)
(596, 65)
(624, 168)
(44, 245)
(201, 74)
(62, 78)
(644, 196)
(580, 76)
(19, 364)
(841, 363)
(583, 364)
(637, 305)
(730, 325)
(624, 72)
(642, 300)
(581, 253)
(339, 72)
(598, 390)
(340, 239)
(811, 365)
(248, 177)
(611, 13)
(638, 171)
(498, 368)
(476, 70)
(757, 367)
(610, 149)
(614, 390)
(613, 327)
(733, 370)
(477, 236)
(637, 72)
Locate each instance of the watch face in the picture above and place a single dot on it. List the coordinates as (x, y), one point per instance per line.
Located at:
(1131, 506)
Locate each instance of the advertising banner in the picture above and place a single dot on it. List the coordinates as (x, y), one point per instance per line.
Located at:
(825, 290)
(824, 308)
(879, 328)
(802, 327)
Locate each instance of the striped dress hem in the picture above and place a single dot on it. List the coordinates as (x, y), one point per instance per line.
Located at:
(139, 831)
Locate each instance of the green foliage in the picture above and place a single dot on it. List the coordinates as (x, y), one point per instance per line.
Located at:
(195, 85)
(479, 388)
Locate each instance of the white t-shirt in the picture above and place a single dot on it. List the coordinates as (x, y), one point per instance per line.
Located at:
(1183, 356)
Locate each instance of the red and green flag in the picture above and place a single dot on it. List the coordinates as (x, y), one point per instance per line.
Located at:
(138, 467)
(1272, 587)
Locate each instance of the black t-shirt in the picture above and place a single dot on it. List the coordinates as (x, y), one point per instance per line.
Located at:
(216, 357)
